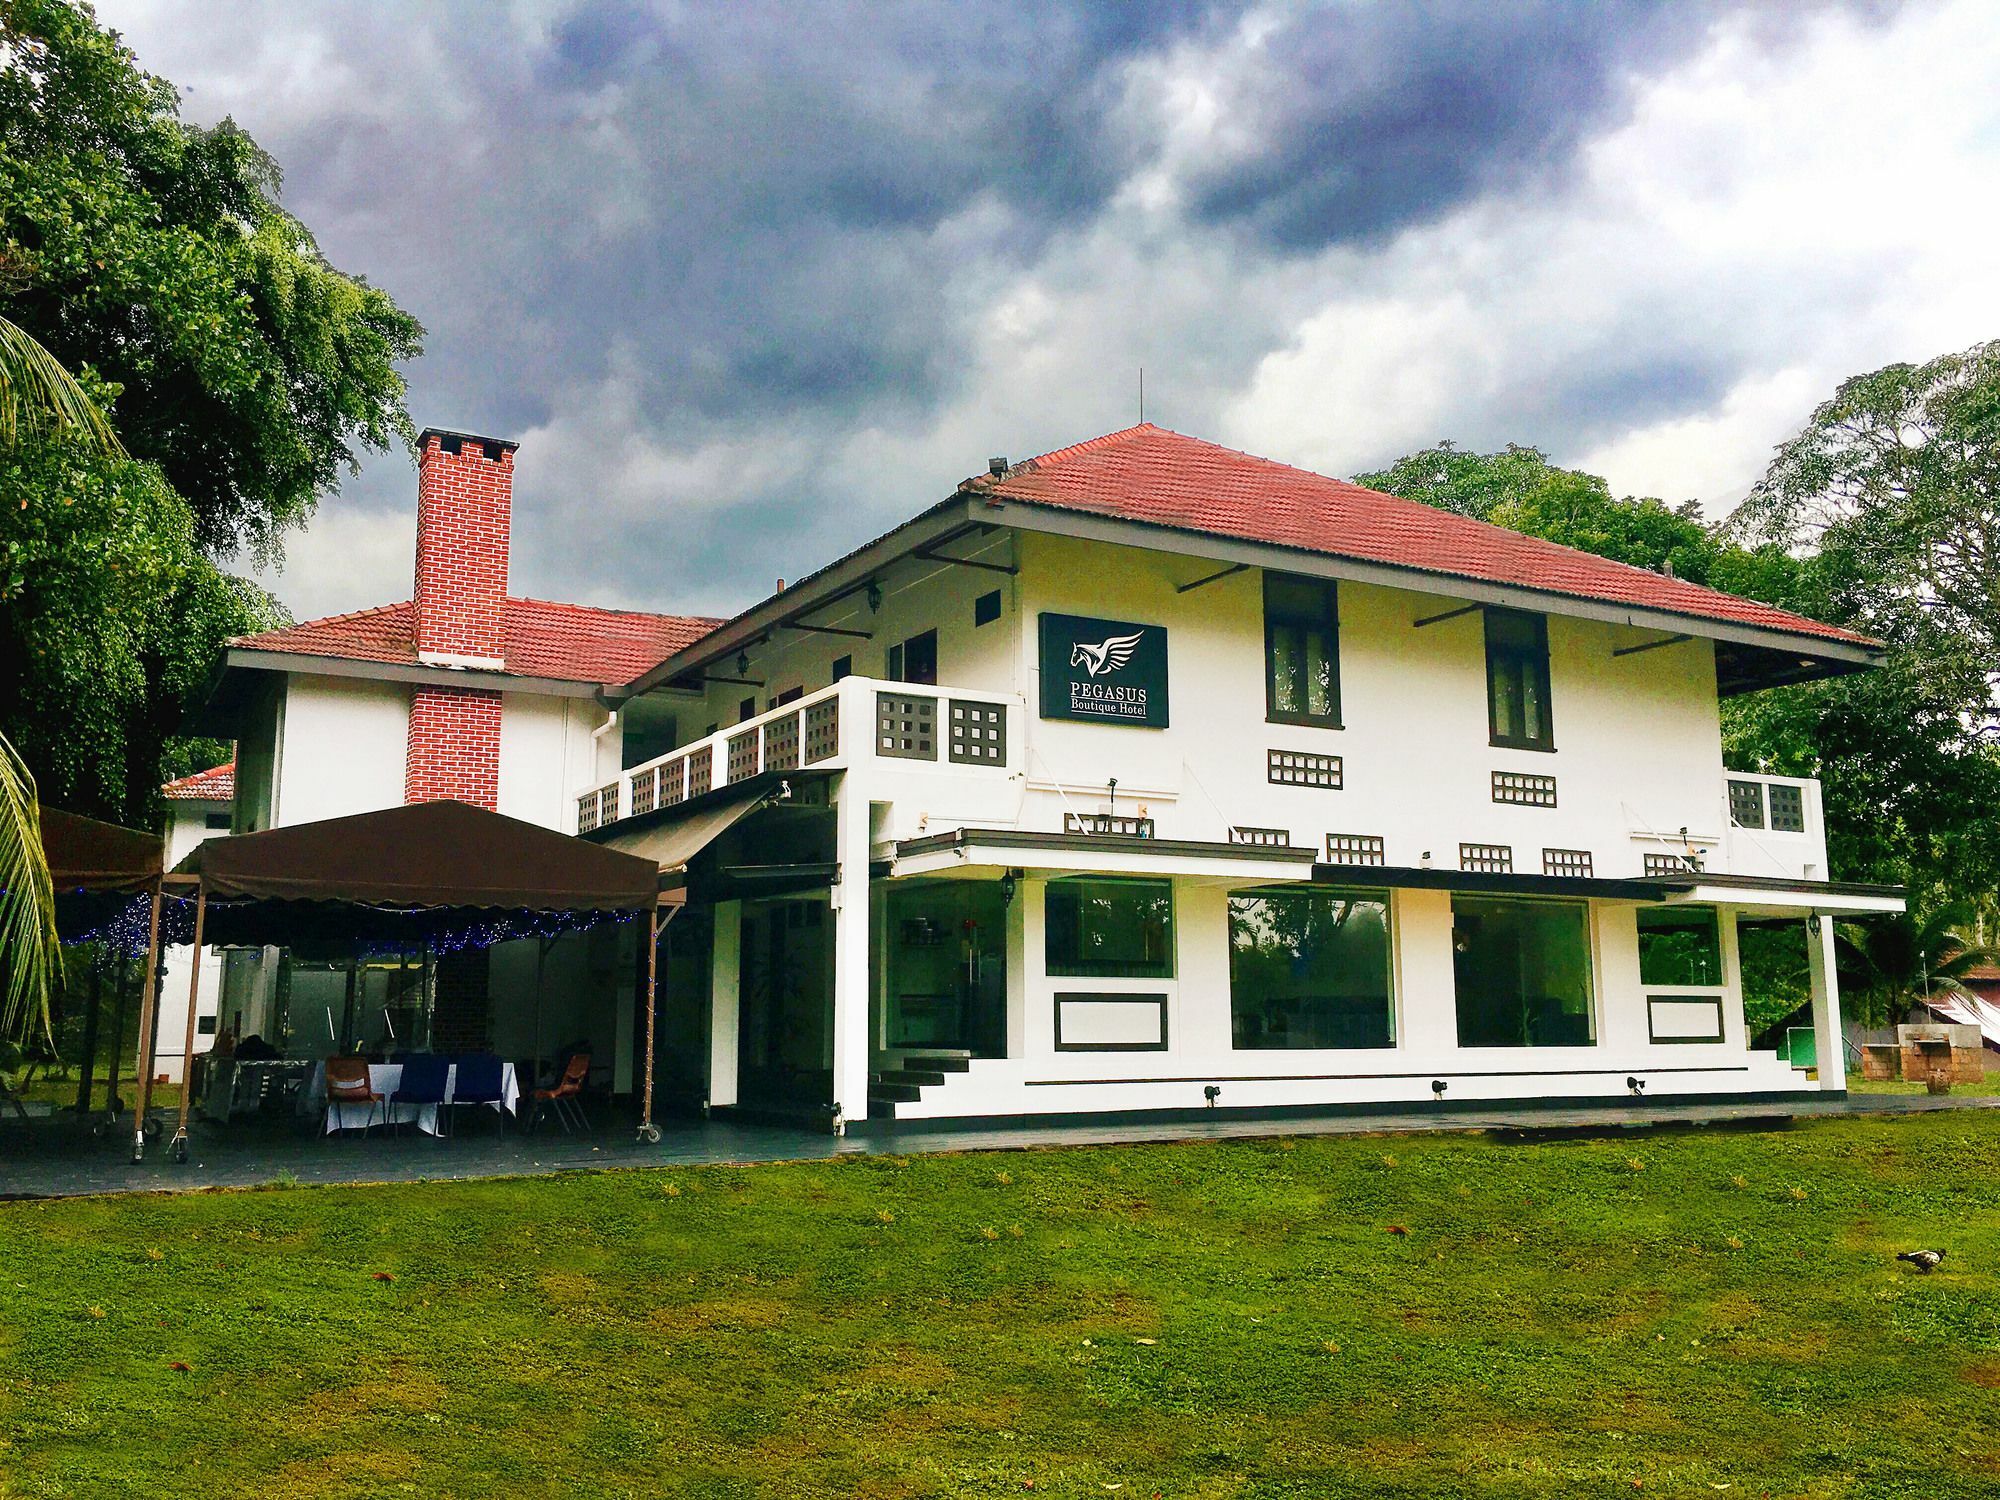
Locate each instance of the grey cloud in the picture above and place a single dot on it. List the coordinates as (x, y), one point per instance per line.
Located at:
(1369, 119)
(781, 219)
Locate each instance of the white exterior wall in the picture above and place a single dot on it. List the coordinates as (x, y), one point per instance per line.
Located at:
(547, 748)
(343, 748)
(1638, 738)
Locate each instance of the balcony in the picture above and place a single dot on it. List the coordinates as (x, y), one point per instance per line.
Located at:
(889, 726)
(1769, 826)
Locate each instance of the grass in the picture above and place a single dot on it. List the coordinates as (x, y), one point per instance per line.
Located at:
(1689, 1315)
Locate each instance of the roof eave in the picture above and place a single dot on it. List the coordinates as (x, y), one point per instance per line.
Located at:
(221, 698)
(1836, 656)
(813, 592)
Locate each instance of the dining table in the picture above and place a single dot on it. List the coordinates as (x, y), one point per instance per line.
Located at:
(385, 1078)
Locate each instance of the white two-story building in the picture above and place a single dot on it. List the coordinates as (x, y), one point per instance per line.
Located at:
(1150, 776)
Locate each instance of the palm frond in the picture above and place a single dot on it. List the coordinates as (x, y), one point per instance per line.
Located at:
(38, 395)
(30, 961)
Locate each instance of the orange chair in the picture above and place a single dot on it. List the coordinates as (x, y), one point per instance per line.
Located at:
(348, 1082)
(565, 1096)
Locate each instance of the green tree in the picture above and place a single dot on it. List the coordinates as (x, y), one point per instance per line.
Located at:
(157, 254)
(38, 397)
(1892, 962)
(1894, 485)
(242, 371)
(1520, 489)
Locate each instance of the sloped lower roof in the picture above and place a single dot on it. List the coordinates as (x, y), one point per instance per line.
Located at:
(216, 784)
(573, 642)
(1151, 475)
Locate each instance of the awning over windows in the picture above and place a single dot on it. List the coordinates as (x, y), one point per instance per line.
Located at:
(1750, 893)
(670, 842)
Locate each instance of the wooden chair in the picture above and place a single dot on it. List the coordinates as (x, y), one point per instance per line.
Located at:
(348, 1082)
(564, 1097)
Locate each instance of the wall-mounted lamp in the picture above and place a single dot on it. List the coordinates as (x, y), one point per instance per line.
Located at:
(1008, 885)
(874, 597)
(743, 664)
(1812, 924)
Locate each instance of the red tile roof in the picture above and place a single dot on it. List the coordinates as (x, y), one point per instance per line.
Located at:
(216, 784)
(572, 642)
(1163, 478)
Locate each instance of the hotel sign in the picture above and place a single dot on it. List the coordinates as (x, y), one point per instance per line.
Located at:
(1104, 671)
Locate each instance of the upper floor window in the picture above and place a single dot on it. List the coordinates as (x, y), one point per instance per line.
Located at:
(1301, 651)
(843, 666)
(1517, 680)
(914, 660)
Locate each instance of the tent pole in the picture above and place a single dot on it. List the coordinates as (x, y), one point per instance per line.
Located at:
(145, 1058)
(114, 1105)
(90, 1018)
(179, 1150)
(648, 1131)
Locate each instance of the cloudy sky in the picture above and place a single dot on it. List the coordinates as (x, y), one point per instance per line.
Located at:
(751, 282)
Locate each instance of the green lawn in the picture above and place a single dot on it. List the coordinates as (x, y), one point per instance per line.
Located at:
(1690, 1314)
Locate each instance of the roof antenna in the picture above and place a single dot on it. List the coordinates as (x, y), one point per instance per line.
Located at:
(1142, 395)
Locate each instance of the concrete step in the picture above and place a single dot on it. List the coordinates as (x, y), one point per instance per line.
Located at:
(938, 1062)
(893, 1093)
(921, 1077)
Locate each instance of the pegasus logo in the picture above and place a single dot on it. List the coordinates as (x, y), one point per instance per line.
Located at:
(1105, 656)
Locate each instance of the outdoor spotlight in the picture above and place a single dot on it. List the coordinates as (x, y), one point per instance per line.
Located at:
(1438, 1086)
(874, 597)
(1425, 860)
(1636, 1085)
(1212, 1093)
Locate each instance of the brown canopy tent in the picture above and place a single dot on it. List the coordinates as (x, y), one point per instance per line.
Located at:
(86, 856)
(421, 871)
(98, 870)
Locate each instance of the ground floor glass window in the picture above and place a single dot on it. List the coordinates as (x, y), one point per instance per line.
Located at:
(1522, 972)
(1679, 945)
(1110, 929)
(1310, 969)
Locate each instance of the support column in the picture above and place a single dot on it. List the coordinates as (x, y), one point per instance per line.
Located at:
(851, 1050)
(1426, 979)
(1825, 982)
(725, 1002)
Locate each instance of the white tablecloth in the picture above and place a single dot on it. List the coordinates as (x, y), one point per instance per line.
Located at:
(385, 1078)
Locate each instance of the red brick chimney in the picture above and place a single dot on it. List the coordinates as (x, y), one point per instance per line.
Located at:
(465, 505)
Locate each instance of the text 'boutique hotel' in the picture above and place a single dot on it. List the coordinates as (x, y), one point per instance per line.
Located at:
(1145, 776)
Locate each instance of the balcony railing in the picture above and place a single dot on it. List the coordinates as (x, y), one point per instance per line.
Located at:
(855, 718)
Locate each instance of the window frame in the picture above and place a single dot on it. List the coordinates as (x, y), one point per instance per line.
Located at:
(1078, 968)
(1329, 622)
(897, 659)
(1593, 993)
(1306, 892)
(1538, 660)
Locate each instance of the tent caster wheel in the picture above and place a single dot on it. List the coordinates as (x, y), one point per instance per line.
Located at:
(152, 1129)
(97, 1131)
(650, 1134)
(179, 1152)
